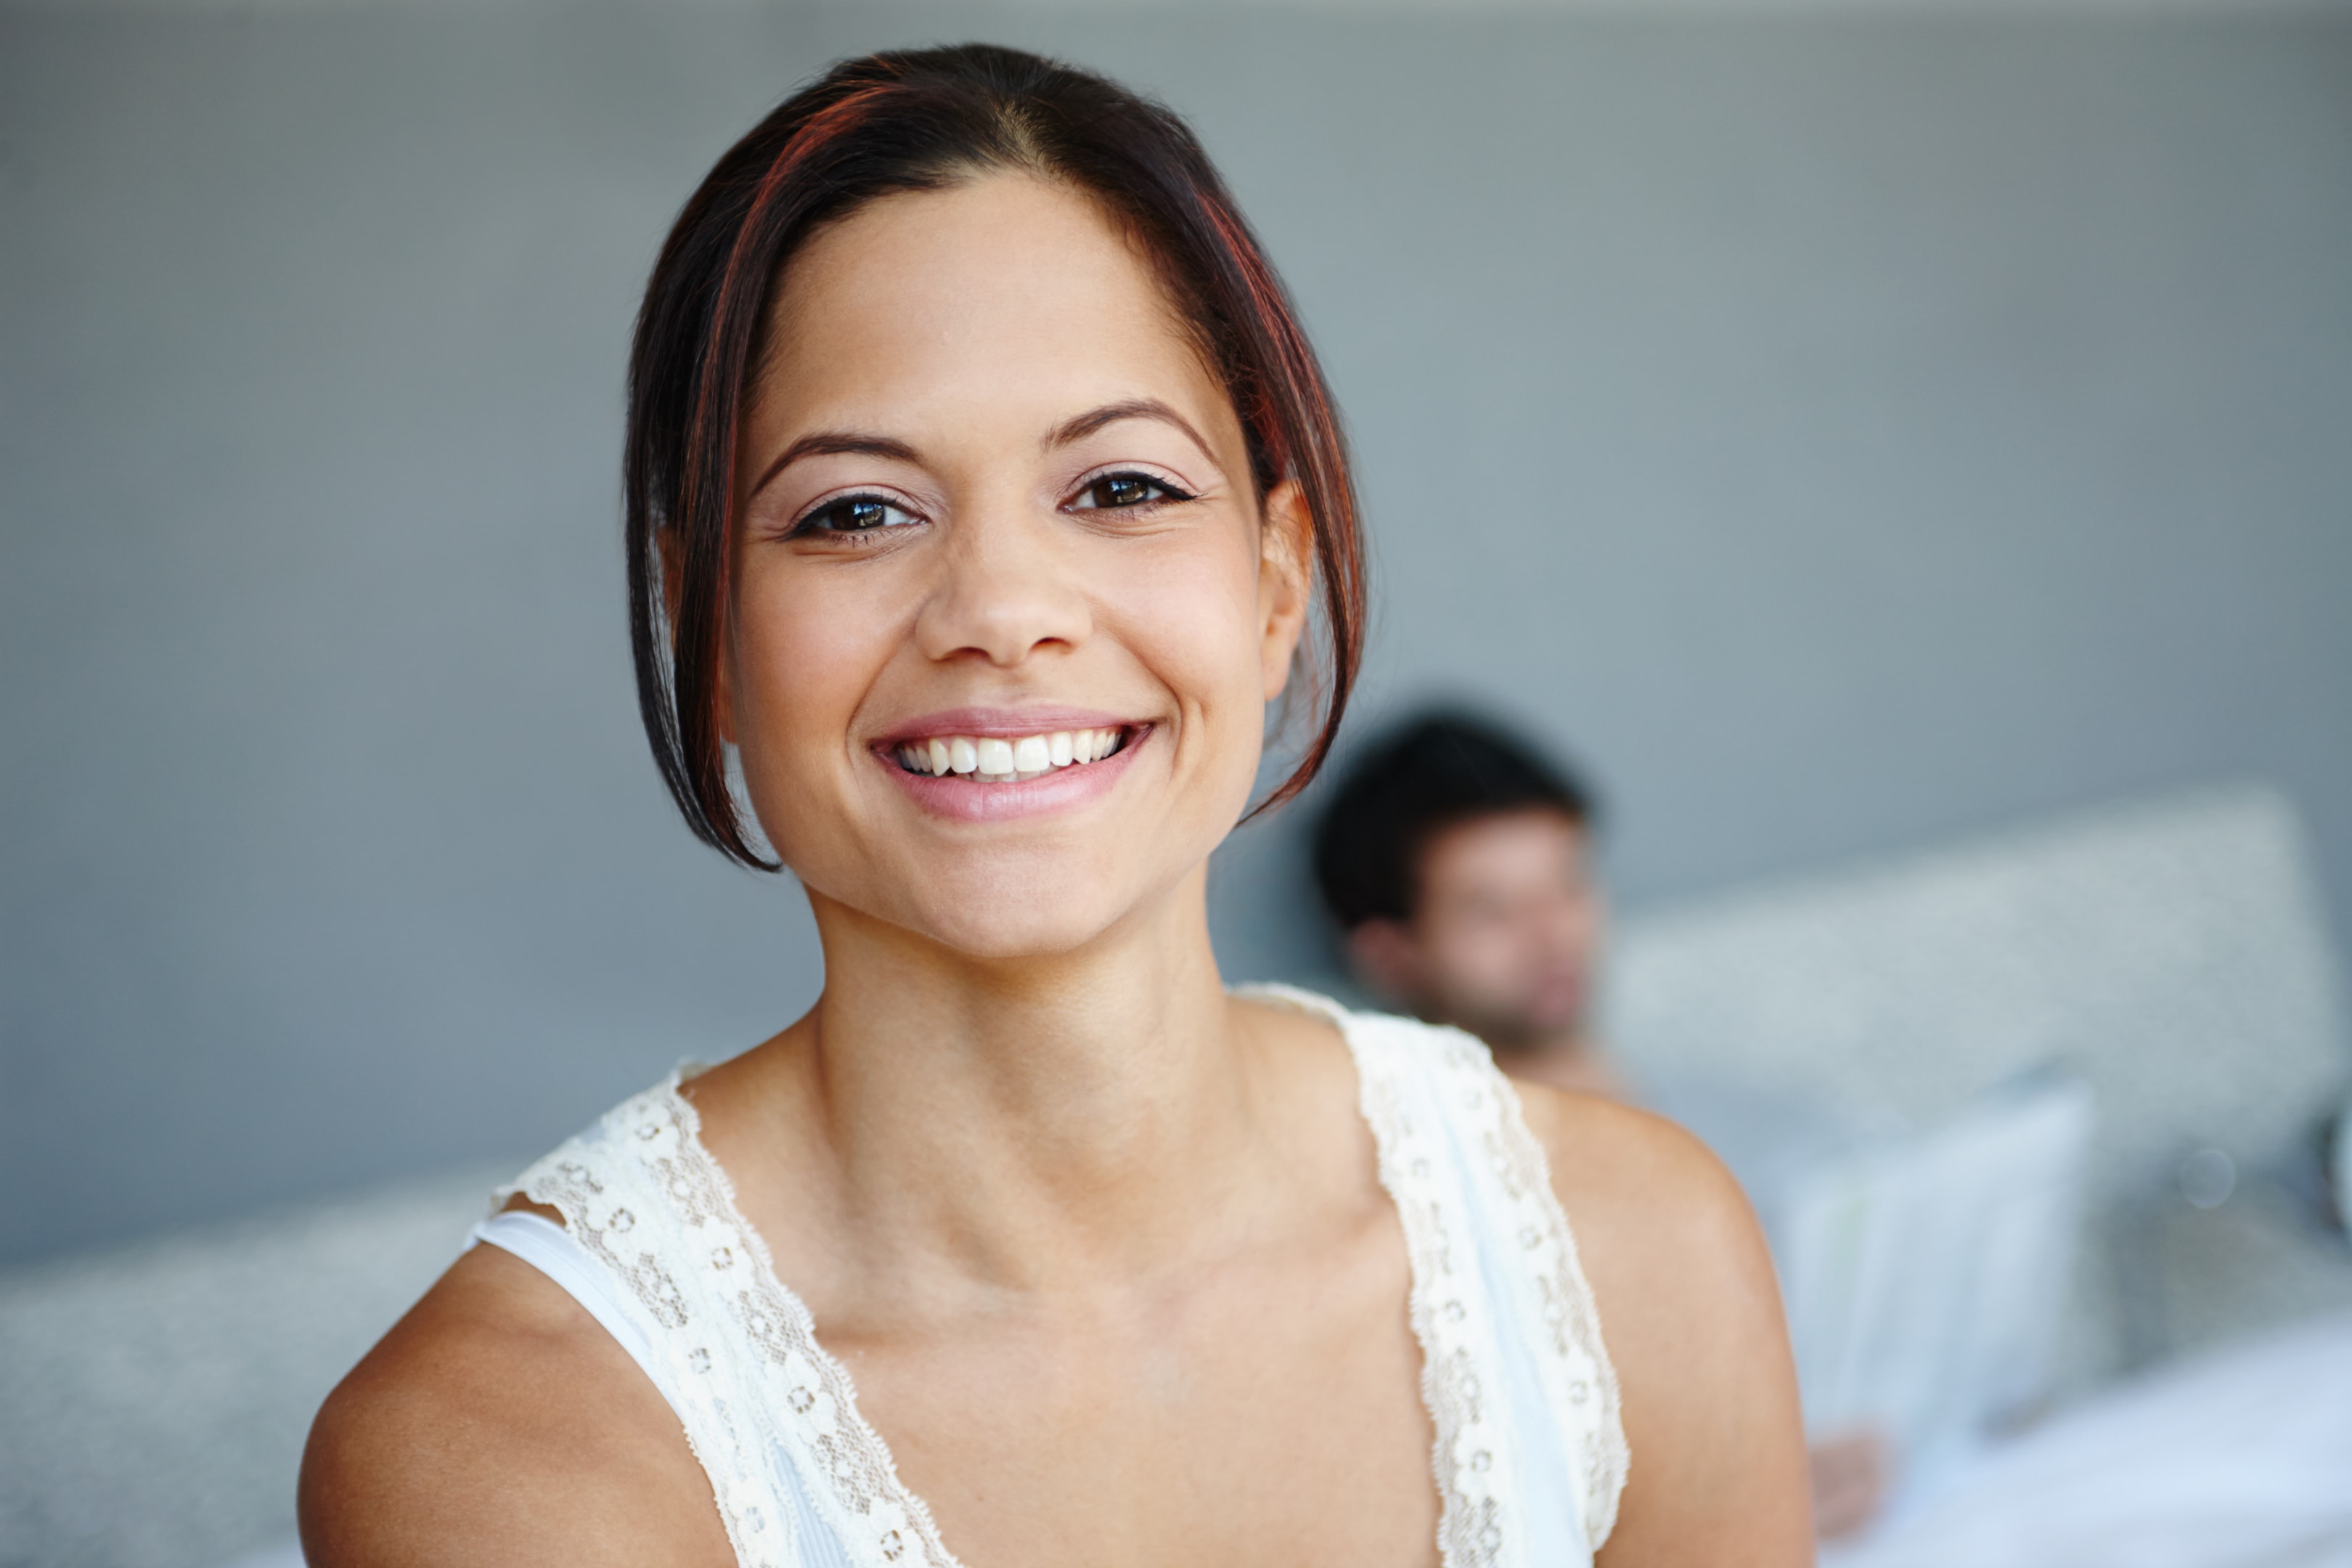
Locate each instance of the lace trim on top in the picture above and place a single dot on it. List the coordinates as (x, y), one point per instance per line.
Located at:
(1579, 1379)
(1451, 1317)
(656, 1198)
(1419, 1082)
(642, 1195)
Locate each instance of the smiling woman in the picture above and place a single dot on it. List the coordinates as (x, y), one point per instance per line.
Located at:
(982, 493)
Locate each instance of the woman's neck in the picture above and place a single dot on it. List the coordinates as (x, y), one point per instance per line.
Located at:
(1027, 1124)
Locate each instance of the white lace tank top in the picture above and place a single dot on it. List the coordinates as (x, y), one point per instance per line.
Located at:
(1529, 1455)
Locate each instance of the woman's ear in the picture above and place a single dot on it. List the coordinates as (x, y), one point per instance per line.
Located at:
(673, 584)
(1285, 576)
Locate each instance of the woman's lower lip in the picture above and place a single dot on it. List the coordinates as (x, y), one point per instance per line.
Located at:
(963, 799)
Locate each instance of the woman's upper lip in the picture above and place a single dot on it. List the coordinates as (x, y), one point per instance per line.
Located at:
(1005, 723)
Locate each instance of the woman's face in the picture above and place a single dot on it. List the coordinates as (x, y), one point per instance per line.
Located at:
(995, 518)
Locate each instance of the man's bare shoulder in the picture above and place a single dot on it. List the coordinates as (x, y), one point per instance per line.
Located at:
(499, 1423)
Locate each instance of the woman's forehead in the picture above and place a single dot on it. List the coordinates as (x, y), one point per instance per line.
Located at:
(997, 293)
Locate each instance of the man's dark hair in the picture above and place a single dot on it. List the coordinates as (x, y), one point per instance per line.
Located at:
(1430, 774)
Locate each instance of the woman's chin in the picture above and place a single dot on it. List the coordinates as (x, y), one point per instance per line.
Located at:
(1045, 928)
(985, 916)
(1050, 906)
(1050, 896)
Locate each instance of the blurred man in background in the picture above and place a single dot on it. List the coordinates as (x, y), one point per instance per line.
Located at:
(1460, 867)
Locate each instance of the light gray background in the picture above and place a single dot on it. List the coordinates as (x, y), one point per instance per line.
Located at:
(1846, 431)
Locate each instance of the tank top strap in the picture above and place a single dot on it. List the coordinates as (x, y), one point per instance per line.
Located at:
(1530, 1454)
(549, 1248)
(798, 1479)
(1551, 1305)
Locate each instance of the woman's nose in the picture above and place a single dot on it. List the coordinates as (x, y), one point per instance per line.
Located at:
(1007, 588)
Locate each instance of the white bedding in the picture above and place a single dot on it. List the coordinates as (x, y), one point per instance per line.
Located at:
(2238, 1459)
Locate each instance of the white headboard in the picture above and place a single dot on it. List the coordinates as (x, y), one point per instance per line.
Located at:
(2172, 953)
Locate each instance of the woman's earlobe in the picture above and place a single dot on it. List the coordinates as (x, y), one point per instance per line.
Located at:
(1286, 587)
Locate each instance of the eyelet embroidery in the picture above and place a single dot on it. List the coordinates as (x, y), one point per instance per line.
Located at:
(1553, 1292)
(1448, 1317)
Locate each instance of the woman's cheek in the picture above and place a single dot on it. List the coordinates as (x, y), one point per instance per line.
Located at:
(807, 655)
(1193, 614)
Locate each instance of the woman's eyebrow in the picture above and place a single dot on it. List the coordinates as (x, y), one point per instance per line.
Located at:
(835, 443)
(851, 443)
(1095, 419)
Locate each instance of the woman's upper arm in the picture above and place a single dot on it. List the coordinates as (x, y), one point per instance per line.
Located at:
(497, 1422)
(1690, 1314)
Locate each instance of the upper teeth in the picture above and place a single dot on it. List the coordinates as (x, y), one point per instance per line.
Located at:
(995, 760)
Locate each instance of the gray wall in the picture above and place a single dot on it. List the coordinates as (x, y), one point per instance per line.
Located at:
(1847, 432)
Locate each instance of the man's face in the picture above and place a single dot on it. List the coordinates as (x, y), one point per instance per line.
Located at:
(1509, 925)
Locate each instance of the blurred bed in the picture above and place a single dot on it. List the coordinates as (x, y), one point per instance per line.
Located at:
(2237, 1458)
(2127, 1028)
(2171, 955)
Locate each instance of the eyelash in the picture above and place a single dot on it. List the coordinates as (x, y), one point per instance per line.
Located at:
(812, 522)
(810, 525)
(1169, 490)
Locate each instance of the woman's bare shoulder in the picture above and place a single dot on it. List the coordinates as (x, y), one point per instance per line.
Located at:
(498, 1422)
(1665, 1232)
(1615, 1165)
(1690, 1315)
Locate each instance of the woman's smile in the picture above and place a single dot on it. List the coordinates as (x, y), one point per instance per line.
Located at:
(987, 765)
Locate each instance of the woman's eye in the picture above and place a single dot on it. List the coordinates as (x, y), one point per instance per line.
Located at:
(1113, 493)
(855, 515)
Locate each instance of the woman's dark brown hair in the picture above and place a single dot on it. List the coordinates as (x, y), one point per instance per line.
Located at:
(912, 121)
